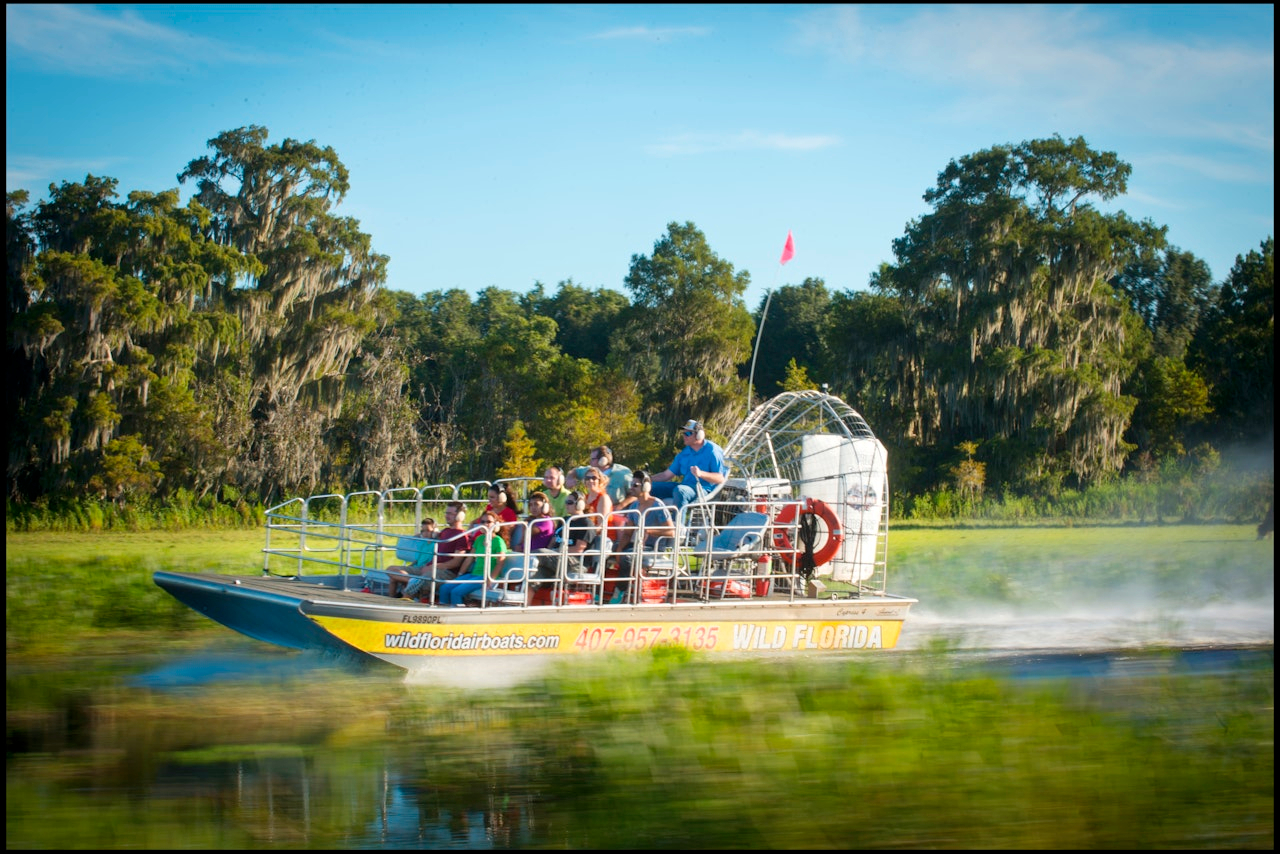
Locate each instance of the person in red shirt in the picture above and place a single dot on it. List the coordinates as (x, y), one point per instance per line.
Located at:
(502, 503)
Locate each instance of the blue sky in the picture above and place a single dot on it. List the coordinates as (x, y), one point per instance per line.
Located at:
(503, 145)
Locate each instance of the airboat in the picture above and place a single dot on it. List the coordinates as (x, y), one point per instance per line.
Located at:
(786, 556)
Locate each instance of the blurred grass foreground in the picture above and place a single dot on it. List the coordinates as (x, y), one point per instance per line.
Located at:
(878, 755)
(927, 749)
(674, 753)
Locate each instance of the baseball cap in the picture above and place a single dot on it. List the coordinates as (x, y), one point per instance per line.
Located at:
(692, 425)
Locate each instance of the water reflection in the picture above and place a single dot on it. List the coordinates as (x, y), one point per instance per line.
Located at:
(360, 799)
(254, 665)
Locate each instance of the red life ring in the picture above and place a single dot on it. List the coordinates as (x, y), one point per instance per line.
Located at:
(835, 536)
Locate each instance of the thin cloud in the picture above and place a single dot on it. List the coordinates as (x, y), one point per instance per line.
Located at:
(749, 140)
(650, 33)
(36, 173)
(88, 41)
(1150, 200)
(1212, 167)
(1068, 62)
(380, 49)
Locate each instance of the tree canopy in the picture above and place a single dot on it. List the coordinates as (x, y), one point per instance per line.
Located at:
(688, 333)
(244, 343)
(1011, 331)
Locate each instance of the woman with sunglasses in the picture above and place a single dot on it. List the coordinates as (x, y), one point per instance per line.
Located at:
(617, 476)
(486, 556)
(599, 504)
(579, 533)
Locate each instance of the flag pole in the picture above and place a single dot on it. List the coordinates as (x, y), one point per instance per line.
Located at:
(759, 331)
(788, 252)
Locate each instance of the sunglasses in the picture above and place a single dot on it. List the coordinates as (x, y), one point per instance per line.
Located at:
(688, 433)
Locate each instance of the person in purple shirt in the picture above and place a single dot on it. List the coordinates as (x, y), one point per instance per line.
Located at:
(541, 527)
(700, 460)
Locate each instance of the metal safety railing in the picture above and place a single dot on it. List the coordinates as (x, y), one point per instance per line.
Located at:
(747, 545)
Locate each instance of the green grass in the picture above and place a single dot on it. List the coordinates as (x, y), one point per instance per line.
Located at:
(1177, 564)
(233, 549)
(66, 590)
(668, 752)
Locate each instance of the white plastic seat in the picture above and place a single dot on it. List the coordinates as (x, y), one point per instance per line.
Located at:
(590, 572)
(737, 547)
(509, 588)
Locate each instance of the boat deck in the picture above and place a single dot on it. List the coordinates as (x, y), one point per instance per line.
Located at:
(350, 590)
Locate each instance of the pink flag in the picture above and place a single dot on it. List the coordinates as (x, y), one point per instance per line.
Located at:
(788, 251)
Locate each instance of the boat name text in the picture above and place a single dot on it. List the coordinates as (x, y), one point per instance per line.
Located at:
(806, 636)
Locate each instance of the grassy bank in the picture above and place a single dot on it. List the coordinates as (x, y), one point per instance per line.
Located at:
(65, 590)
(952, 567)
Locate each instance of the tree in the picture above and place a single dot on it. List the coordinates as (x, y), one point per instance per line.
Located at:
(1012, 332)
(1235, 347)
(1169, 290)
(794, 330)
(867, 335)
(516, 357)
(439, 330)
(970, 476)
(585, 319)
(307, 306)
(480, 367)
(1172, 400)
(520, 455)
(796, 379)
(113, 316)
(125, 470)
(689, 333)
(376, 442)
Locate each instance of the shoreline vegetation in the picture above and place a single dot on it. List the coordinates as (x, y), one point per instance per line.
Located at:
(1225, 496)
(1020, 341)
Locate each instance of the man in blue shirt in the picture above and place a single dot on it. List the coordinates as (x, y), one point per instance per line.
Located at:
(700, 460)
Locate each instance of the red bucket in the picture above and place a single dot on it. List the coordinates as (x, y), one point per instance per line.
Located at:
(653, 591)
(611, 570)
(731, 589)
